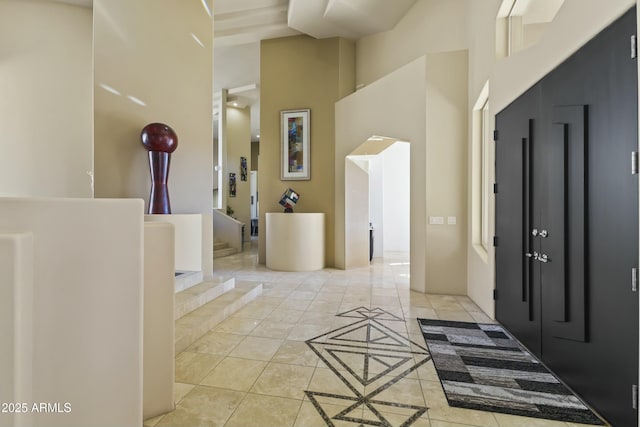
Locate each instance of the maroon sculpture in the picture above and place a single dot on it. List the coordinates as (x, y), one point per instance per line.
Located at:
(161, 141)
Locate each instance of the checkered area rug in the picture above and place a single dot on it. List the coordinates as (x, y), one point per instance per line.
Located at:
(482, 367)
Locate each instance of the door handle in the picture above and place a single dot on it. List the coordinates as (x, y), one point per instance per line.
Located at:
(534, 232)
(544, 258)
(544, 233)
(533, 255)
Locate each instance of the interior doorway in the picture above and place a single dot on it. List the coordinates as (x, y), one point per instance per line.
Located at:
(377, 205)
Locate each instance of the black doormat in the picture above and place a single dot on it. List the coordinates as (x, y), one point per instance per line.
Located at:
(482, 367)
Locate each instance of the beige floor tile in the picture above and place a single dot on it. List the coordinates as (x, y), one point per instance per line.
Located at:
(433, 393)
(180, 390)
(256, 348)
(255, 311)
(420, 313)
(462, 416)
(203, 406)
(216, 343)
(399, 419)
(407, 391)
(312, 317)
(265, 411)
(282, 380)
(303, 295)
(310, 417)
(237, 325)
(327, 307)
(235, 374)
(326, 381)
(191, 368)
(457, 316)
(294, 304)
(295, 353)
(304, 332)
(285, 315)
(270, 329)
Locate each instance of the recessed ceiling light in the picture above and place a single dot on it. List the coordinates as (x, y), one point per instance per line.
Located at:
(235, 104)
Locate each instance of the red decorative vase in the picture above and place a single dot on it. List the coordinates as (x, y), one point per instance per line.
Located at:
(161, 141)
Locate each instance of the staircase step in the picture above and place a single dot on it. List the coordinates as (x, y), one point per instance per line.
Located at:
(194, 325)
(186, 279)
(224, 252)
(196, 296)
(220, 245)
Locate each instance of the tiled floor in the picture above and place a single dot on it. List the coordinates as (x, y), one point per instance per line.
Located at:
(255, 368)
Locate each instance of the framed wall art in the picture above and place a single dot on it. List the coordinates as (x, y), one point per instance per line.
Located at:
(295, 144)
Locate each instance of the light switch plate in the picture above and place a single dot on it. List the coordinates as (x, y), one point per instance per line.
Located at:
(436, 220)
(452, 220)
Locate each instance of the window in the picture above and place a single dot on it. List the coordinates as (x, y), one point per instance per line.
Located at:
(522, 23)
(482, 159)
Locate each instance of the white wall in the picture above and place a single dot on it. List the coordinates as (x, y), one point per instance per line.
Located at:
(356, 212)
(87, 306)
(396, 182)
(46, 103)
(394, 105)
(429, 26)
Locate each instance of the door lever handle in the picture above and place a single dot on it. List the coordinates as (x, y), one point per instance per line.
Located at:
(544, 258)
(533, 255)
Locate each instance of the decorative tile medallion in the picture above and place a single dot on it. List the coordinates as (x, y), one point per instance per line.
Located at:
(371, 359)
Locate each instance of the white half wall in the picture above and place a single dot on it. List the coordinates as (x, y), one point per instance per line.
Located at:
(87, 307)
(193, 241)
(159, 325)
(16, 324)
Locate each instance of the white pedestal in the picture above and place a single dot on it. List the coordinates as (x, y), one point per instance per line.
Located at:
(295, 241)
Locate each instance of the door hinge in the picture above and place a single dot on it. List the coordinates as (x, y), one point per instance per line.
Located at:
(634, 163)
(495, 188)
(634, 279)
(495, 241)
(495, 135)
(634, 46)
(634, 396)
(495, 294)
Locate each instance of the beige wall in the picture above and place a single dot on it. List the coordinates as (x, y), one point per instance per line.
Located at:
(239, 145)
(301, 72)
(429, 26)
(144, 49)
(46, 102)
(446, 155)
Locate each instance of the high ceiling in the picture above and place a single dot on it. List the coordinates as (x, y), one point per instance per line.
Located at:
(239, 25)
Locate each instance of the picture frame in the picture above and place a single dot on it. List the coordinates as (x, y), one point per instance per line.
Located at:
(243, 168)
(295, 156)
